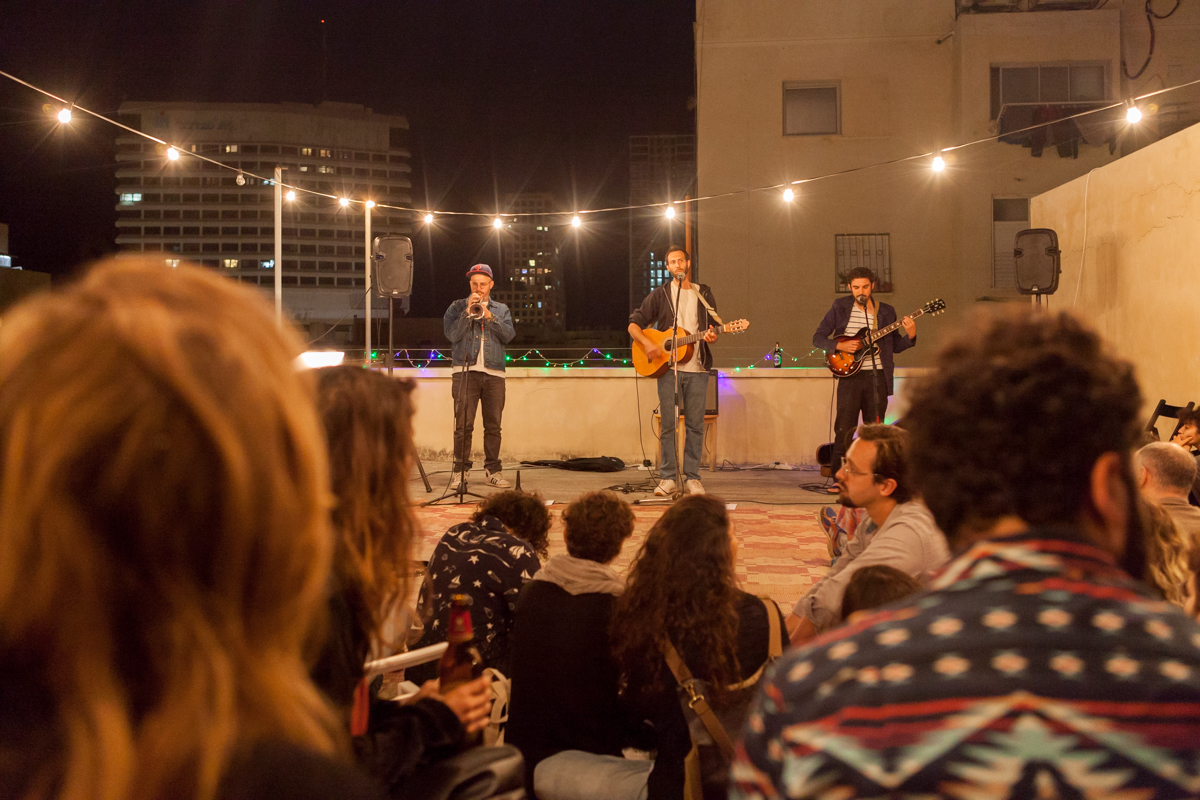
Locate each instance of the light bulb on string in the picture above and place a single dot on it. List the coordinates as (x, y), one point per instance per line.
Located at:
(576, 221)
(370, 204)
(788, 195)
(172, 154)
(290, 196)
(429, 219)
(938, 164)
(497, 223)
(344, 201)
(64, 116)
(1133, 114)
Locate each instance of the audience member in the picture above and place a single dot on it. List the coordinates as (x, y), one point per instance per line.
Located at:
(1188, 437)
(682, 591)
(1165, 473)
(1033, 664)
(489, 558)
(900, 533)
(164, 546)
(565, 684)
(1166, 553)
(872, 587)
(368, 425)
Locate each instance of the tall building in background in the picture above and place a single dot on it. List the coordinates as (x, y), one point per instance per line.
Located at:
(662, 167)
(192, 210)
(530, 280)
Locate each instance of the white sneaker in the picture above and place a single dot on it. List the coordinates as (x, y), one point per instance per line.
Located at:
(455, 481)
(496, 479)
(665, 488)
(693, 486)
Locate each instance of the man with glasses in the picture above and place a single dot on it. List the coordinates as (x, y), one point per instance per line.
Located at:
(900, 531)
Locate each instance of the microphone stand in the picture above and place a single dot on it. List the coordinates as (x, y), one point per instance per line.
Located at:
(675, 366)
(876, 386)
(460, 494)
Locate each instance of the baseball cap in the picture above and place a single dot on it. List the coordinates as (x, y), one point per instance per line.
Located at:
(480, 269)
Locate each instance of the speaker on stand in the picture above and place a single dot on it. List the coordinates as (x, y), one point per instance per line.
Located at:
(1037, 262)
(393, 277)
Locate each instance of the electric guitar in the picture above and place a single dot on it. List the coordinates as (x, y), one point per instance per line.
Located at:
(652, 368)
(845, 364)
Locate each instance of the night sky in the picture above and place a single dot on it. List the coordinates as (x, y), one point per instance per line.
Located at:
(500, 97)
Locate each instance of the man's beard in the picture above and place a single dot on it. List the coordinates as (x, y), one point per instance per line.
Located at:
(844, 499)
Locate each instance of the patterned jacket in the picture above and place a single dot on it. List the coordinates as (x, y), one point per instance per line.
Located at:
(1032, 666)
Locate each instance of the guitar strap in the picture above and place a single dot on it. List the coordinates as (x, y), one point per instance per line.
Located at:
(711, 311)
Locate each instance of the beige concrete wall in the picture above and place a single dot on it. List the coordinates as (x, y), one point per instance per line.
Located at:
(766, 415)
(902, 94)
(1137, 280)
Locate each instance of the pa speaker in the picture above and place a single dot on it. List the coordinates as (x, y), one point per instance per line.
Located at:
(1037, 255)
(393, 266)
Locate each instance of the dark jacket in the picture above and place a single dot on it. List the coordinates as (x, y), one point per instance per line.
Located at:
(463, 333)
(674, 741)
(839, 316)
(564, 681)
(657, 311)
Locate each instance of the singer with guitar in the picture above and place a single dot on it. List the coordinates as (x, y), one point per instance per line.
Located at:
(867, 390)
(696, 312)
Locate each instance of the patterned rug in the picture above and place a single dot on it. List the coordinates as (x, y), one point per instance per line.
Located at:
(782, 550)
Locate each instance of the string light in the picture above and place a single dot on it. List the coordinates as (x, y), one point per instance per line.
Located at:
(370, 204)
(576, 221)
(938, 163)
(497, 223)
(788, 195)
(343, 201)
(290, 195)
(64, 116)
(429, 219)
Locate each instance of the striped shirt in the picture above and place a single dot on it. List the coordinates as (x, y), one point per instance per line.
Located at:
(859, 320)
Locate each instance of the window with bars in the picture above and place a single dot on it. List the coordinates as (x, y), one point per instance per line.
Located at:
(871, 250)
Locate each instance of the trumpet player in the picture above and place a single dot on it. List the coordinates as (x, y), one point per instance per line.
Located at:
(478, 327)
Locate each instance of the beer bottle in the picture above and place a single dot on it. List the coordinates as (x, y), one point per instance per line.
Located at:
(461, 663)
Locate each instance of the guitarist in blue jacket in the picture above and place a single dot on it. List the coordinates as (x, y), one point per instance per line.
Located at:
(863, 392)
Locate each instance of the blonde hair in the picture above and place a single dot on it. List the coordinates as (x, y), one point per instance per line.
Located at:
(1166, 553)
(164, 539)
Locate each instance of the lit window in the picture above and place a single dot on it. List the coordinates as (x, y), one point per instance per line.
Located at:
(172, 262)
(539, 303)
(532, 262)
(326, 169)
(131, 198)
(305, 151)
(325, 153)
(304, 168)
(268, 264)
(231, 148)
(5, 261)
(229, 263)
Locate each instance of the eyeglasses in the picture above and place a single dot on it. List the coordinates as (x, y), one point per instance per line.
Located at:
(850, 469)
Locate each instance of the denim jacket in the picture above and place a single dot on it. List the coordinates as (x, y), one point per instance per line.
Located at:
(463, 333)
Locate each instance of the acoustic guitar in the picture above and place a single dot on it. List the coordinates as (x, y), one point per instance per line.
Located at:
(845, 364)
(652, 368)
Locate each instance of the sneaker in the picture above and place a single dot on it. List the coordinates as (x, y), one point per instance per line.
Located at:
(665, 488)
(455, 481)
(693, 487)
(497, 480)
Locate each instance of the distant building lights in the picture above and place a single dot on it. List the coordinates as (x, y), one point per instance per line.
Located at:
(172, 154)
(788, 195)
(938, 164)
(64, 116)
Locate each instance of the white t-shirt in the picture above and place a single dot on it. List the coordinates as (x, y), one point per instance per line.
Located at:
(688, 318)
(478, 365)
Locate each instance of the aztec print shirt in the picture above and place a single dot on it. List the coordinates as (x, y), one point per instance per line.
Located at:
(1031, 666)
(491, 565)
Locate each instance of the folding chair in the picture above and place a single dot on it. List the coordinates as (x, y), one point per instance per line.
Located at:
(1170, 412)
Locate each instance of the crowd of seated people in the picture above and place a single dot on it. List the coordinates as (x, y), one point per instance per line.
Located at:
(201, 546)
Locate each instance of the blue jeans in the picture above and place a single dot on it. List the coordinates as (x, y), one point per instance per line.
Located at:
(576, 775)
(693, 396)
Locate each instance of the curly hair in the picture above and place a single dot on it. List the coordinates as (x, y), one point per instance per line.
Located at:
(860, 272)
(681, 589)
(1189, 417)
(1166, 553)
(523, 513)
(368, 426)
(1013, 420)
(597, 524)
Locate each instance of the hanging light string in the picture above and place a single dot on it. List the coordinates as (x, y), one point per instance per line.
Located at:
(668, 206)
(535, 355)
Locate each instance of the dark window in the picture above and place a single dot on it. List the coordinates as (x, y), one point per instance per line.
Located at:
(396, 138)
(811, 110)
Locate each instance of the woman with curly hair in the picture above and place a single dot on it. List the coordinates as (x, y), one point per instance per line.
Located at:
(1166, 554)
(489, 558)
(682, 589)
(368, 426)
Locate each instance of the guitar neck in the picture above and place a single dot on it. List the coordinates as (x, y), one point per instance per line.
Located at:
(695, 337)
(879, 334)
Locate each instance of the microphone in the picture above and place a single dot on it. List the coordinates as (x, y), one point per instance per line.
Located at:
(861, 300)
(676, 278)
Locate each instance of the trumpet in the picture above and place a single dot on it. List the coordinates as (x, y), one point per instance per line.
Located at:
(475, 310)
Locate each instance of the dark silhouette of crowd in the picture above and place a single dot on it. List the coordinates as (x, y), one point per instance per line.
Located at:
(203, 545)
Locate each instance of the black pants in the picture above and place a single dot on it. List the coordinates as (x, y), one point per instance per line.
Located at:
(489, 389)
(865, 393)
